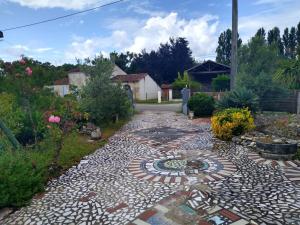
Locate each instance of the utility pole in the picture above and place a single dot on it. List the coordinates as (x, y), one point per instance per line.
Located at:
(234, 43)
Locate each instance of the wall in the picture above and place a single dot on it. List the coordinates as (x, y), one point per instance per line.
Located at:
(61, 90)
(78, 79)
(148, 88)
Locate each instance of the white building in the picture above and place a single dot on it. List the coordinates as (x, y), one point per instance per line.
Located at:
(78, 79)
(142, 85)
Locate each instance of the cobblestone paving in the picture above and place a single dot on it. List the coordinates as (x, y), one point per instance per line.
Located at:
(163, 169)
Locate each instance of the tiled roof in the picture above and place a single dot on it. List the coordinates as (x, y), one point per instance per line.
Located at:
(166, 86)
(130, 77)
(63, 81)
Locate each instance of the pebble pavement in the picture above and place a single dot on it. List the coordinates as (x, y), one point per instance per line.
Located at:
(161, 168)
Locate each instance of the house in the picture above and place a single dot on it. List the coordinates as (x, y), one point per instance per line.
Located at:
(142, 85)
(76, 78)
(206, 71)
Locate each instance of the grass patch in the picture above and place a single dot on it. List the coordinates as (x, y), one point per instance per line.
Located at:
(24, 173)
(76, 146)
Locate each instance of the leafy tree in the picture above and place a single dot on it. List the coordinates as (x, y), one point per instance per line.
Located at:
(102, 99)
(224, 48)
(289, 73)
(293, 42)
(261, 33)
(164, 64)
(298, 40)
(221, 83)
(286, 43)
(275, 39)
(185, 81)
(257, 64)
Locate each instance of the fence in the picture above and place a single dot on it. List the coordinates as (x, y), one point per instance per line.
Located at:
(288, 103)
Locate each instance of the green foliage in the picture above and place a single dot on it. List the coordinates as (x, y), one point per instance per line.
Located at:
(257, 64)
(224, 48)
(20, 178)
(184, 81)
(102, 99)
(163, 64)
(10, 112)
(202, 104)
(289, 74)
(239, 98)
(221, 83)
(232, 122)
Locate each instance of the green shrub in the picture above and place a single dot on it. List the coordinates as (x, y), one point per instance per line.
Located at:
(202, 104)
(231, 122)
(221, 83)
(239, 98)
(185, 81)
(21, 177)
(101, 98)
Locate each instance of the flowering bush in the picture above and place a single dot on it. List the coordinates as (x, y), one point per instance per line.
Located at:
(231, 122)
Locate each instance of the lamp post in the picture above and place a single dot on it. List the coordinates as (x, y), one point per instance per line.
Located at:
(234, 43)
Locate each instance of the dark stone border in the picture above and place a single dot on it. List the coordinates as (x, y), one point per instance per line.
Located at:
(277, 151)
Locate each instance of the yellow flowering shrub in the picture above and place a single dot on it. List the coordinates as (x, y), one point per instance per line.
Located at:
(232, 122)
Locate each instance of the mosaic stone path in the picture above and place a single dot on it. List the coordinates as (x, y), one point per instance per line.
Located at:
(162, 169)
(290, 168)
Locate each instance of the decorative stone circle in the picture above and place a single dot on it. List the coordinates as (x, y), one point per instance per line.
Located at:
(175, 168)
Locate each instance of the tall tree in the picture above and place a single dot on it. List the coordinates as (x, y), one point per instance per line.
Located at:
(224, 47)
(285, 40)
(164, 64)
(298, 40)
(293, 42)
(275, 39)
(261, 33)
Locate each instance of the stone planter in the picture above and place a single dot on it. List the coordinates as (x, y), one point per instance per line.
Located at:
(276, 150)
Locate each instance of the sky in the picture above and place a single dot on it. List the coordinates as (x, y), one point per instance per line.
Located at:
(131, 25)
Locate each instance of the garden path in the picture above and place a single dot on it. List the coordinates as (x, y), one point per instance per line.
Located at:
(162, 168)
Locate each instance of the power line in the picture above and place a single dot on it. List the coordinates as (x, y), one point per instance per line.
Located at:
(62, 17)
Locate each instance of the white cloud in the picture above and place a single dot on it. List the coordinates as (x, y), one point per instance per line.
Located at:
(276, 15)
(42, 50)
(66, 4)
(149, 34)
(14, 51)
(261, 2)
(201, 33)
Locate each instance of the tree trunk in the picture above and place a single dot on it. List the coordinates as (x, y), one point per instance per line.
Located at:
(234, 43)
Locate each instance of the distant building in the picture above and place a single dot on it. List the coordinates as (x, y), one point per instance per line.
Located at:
(78, 79)
(142, 85)
(206, 71)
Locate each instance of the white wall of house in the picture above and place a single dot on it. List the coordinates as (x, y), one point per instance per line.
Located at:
(78, 79)
(117, 71)
(60, 90)
(148, 88)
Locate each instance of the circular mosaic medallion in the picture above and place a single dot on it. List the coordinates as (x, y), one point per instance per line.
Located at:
(170, 165)
(174, 168)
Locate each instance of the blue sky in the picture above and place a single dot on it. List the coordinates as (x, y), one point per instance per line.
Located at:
(132, 25)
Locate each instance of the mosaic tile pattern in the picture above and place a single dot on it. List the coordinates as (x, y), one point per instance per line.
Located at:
(206, 181)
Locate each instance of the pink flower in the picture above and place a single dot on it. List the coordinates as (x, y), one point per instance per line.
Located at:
(54, 119)
(51, 119)
(57, 119)
(22, 61)
(28, 71)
